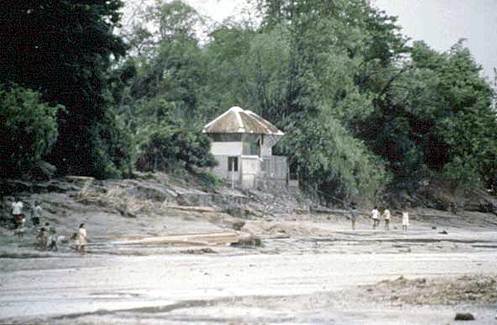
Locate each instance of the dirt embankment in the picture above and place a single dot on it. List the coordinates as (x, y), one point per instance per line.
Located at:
(149, 205)
(438, 195)
(468, 289)
(162, 205)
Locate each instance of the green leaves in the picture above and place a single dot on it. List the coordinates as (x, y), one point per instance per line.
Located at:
(171, 147)
(28, 130)
(438, 118)
(360, 109)
(63, 49)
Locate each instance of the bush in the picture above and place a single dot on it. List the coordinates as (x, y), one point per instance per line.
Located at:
(28, 130)
(170, 147)
(209, 180)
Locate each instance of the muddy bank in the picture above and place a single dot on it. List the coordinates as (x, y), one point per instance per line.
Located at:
(152, 259)
(477, 289)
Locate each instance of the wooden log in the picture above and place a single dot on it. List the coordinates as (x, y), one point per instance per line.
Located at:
(203, 239)
(192, 208)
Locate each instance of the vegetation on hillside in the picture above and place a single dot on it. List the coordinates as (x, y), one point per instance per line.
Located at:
(363, 110)
(28, 132)
(63, 49)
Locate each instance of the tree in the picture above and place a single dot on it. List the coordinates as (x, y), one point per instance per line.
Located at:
(63, 49)
(170, 147)
(28, 130)
(436, 118)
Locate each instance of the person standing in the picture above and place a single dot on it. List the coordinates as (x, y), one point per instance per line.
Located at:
(353, 215)
(405, 219)
(82, 238)
(387, 216)
(36, 215)
(17, 207)
(43, 238)
(52, 237)
(375, 214)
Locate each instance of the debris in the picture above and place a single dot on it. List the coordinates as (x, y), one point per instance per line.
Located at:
(205, 250)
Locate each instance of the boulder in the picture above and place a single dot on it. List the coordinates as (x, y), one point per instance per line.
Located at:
(464, 316)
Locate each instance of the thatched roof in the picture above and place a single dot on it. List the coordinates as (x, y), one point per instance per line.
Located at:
(238, 120)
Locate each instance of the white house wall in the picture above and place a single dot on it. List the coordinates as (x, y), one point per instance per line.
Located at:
(221, 170)
(251, 167)
(226, 148)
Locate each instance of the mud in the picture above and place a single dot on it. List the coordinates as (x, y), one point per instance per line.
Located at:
(309, 268)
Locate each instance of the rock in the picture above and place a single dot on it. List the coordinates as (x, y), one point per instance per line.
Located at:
(434, 228)
(248, 240)
(238, 224)
(238, 212)
(464, 316)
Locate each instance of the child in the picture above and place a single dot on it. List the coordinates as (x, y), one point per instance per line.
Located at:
(35, 218)
(17, 207)
(375, 214)
(52, 239)
(405, 220)
(43, 238)
(82, 238)
(386, 216)
(353, 215)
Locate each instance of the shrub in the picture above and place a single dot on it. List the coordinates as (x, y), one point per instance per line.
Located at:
(170, 147)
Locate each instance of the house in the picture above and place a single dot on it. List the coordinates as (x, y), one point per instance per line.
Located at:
(242, 143)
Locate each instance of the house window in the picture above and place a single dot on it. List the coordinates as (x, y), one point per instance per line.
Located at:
(251, 148)
(232, 164)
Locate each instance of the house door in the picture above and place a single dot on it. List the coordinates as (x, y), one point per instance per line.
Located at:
(233, 165)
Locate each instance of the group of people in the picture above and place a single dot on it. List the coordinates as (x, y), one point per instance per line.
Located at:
(376, 216)
(47, 238)
(387, 216)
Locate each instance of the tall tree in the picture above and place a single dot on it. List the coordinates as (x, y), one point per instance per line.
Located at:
(436, 118)
(63, 49)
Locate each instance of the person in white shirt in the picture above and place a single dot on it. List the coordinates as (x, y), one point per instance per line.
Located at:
(17, 207)
(387, 216)
(375, 214)
(405, 220)
(37, 211)
(82, 238)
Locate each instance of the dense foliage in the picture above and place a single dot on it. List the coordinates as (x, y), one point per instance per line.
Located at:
(361, 110)
(28, 130)
(171, 147)
(437, 119)
(63, 49)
